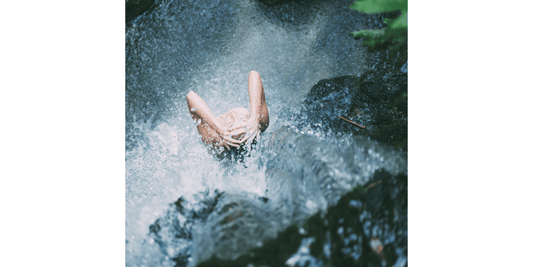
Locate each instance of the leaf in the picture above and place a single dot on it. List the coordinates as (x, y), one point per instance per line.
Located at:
(376, 6)
(398, 23)
(398, 100)
(368, 33)
(394, 35)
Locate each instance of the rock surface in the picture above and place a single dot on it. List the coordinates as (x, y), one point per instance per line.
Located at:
(239, 223)
(367, 227)
(377, 101)
(134, 8)
(276, 2)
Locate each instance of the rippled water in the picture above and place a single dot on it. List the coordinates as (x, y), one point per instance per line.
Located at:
(210, 47)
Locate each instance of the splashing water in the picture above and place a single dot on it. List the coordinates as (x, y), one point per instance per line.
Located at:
(210, 47)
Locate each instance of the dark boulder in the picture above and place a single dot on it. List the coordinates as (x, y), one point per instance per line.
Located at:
(238, 223)
(134, 8)
(276, 2)
(376, 101)
(367, 227)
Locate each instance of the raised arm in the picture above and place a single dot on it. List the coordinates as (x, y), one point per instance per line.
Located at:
(209, 128)
(259, 120)
(258, 106)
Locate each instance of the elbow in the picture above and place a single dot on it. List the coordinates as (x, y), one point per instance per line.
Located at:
(191, 99)
(263, 126)
(190, 95)
(254, 73)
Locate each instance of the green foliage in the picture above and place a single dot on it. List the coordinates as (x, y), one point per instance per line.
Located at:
(360, 189)
(376, 6)
(397, 100)
(394, 35)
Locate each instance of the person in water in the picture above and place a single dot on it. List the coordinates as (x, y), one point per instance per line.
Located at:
(236, 126)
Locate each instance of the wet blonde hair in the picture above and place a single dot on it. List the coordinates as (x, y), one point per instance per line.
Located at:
(234, 118)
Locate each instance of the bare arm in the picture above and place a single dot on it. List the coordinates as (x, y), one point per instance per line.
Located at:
(258, 106)
(199, 110)
(259, 120)
(198, 107)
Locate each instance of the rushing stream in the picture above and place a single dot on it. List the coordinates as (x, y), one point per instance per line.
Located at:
(210, 47)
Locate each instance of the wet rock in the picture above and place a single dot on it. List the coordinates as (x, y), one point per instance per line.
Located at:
(305, 174)
(376, 101)
(134, 8)
(276, 2)
(173, 231)
(237, 224)
(367, 227)
(328, 99)
(220, 225)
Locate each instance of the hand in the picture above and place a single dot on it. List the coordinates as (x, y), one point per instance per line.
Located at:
(226, 139)
(251, 130)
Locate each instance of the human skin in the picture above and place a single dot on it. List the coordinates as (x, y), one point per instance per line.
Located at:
(236, 126)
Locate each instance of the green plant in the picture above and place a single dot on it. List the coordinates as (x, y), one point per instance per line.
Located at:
(394, 35)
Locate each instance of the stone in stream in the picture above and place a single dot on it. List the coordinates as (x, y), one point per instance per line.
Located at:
(238, 223)
(377, 100)
(366, 227)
